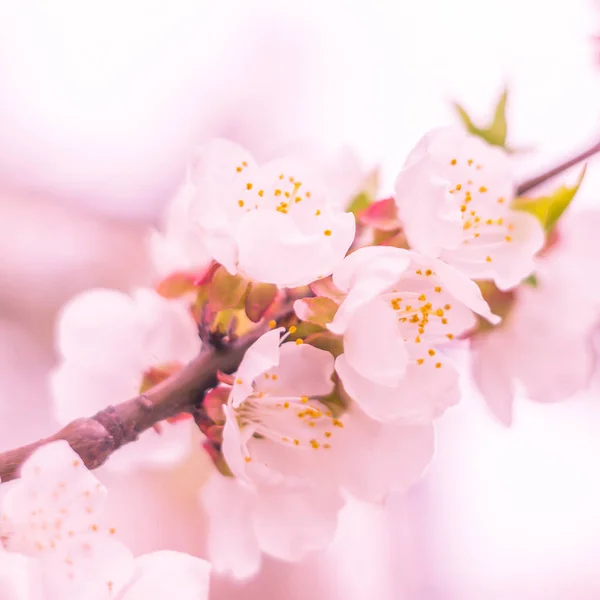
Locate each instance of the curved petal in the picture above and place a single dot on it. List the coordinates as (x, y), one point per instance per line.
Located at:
(393, 458)
(384, 260)
(422, 395)
(167, 574)
(493, 378)
(292, 521)
(262, 356)
(464, 290)
(373, 346)
(273, 249)
(232, 543)
(303, 370)
(20, 577)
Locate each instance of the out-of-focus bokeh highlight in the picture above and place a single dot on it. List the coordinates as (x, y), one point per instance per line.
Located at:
(101, 104)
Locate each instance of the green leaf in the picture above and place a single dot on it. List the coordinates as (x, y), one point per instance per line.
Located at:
(367, 194)
(360, 202)
(549, 209)
(531, 280)
(495, 133)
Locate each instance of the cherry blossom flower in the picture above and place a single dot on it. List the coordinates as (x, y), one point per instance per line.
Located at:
(58, 546)
(269, 223)
(454, 199)
(292, 451)
(549, 358)
(400, 310)
(111, 344)
(177, 247)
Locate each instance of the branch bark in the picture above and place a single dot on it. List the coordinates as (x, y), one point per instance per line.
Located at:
(534, 182)
(96, 438)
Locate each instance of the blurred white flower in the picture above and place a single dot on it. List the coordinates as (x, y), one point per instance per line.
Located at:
(57, 546)
(111, 344)
(545, 342)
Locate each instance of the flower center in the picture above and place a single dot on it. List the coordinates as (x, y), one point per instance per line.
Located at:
(422, 308)
(300, 422)
(483, 216)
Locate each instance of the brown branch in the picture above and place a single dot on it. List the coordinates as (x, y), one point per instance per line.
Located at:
(534, 182)
(96, 438)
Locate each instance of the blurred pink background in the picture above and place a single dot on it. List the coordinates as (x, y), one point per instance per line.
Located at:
(101, 103)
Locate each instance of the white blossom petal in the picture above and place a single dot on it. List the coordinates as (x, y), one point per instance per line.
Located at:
(167, 574)
(232, 543)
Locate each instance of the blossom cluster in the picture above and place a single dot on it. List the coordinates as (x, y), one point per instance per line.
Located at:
(356, 307)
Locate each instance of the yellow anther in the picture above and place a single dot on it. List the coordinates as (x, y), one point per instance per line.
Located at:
(453, 162)
(240, 203)
(438, 365)
(293, 329)
(328, 434)
(296, 442)
(286, 405)
(420, 361)
(422, 298)
(470, 162)
(488, 259)
(299, 341)
(431, 352)
(314, 444)
(337, 423)
(244, 163)
(450, 336)
(317, 212)
(483, 189)
(439, 312)
(444, 321)
(438, 289)
(326, 446)
(247, 459)
(304, 399)
(239, 381)
(278, 192)
(239, 169)
(508, 238)
(417, 340)
(447, 306)
(463, 208)
(327, 232)
(274, 377)
(429, 272)
(248, 186)
(500, 200)
(419, 272)
(272, 324)
(261, 193)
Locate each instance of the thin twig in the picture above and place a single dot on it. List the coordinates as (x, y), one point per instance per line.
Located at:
(534, 182)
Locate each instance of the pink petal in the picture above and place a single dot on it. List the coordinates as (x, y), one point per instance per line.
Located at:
(167, 574)
(232, 543)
